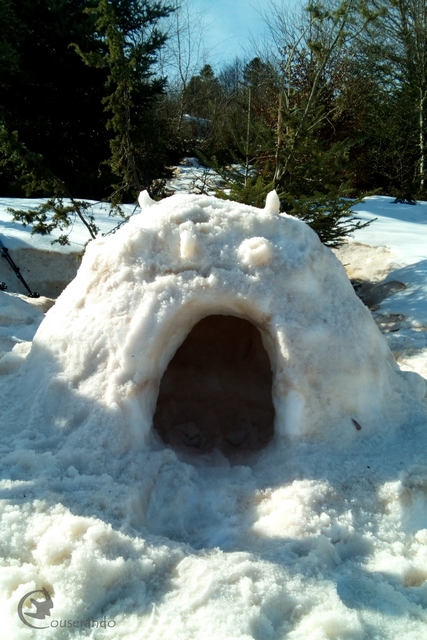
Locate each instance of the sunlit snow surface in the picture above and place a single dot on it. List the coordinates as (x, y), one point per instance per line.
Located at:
(309, 540)
(15, 236)
(403, 230)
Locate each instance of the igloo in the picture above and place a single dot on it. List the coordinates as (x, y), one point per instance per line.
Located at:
(206, 323)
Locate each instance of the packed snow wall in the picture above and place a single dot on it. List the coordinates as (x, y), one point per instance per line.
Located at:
(107, 343)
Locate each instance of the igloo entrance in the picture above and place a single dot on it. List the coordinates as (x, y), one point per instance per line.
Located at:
(217, 389)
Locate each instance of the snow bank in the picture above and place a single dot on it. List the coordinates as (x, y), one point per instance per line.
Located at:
(320, 534)
(47, 268)
(402, 316)
(20, 318)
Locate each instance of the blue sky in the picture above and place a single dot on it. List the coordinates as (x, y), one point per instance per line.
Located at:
(230, 23)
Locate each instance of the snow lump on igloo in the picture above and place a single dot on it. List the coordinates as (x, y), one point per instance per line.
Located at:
(162, 334)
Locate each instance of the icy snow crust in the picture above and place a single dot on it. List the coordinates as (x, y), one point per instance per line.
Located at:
(323, 534)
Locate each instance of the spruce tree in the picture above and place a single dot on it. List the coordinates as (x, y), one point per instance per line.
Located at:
(49, 100)
(132, 39)
(77, 104)
(394, 49)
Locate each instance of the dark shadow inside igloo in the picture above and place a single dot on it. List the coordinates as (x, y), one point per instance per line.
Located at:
(217, 390)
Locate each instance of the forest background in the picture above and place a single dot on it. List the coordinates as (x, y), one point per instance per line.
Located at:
(100, 98)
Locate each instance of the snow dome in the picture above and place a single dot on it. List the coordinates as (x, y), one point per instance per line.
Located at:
(210, 439)
(207, 324)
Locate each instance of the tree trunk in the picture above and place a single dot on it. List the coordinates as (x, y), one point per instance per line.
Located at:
(422, 140)
(248, 132)
(278, 167)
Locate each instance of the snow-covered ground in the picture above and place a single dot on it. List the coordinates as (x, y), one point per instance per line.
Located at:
(399, 235)
(47, 266)
(310, 542)
(191, 177)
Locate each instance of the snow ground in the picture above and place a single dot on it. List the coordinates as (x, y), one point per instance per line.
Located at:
(47, 267)
(15, 236)
(400, 230)
(321, 544)
(191, 177)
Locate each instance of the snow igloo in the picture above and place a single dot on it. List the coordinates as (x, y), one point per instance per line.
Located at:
(205, 324)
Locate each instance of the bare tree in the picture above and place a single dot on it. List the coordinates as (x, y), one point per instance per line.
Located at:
(397, 45)
(306, 48)
(183, 54)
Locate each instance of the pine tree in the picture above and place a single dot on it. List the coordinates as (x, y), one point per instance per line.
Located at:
(395, 50)
(50, 139)
(49, 100)
(67, 127)
(132, 38)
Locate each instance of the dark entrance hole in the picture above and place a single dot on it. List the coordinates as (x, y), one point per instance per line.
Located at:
(216, 391)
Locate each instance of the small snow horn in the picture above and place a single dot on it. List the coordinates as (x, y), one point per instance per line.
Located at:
(144, 200)
(272, 203)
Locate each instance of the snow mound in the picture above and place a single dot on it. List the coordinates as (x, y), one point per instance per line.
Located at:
(137, 296)
(19, 321)
(317, 530)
